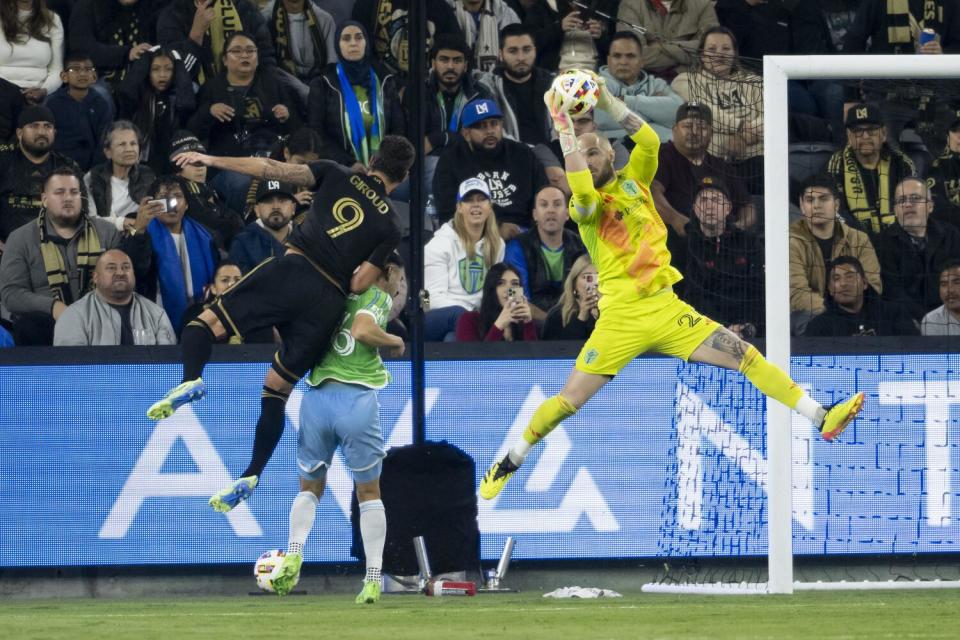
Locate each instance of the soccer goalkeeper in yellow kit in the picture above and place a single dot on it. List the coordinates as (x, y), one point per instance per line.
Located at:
(639, 311)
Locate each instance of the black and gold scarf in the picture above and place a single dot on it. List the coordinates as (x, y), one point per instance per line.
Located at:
(88, 250)
(872, 217)
(281, 38)
(904, 28)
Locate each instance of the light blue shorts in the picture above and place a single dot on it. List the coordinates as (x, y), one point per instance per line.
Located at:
(340, 415)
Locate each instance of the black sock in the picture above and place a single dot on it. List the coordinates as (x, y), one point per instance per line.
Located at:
(196, 344)
(269, 429)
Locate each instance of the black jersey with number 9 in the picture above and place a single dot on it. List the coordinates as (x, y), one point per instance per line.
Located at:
(350, 222)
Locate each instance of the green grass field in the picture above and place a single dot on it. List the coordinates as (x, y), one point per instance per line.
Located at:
(865, 614)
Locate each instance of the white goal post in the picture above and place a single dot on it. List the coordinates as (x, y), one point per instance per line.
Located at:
(777, 71)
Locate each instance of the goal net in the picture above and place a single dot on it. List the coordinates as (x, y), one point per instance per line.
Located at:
(755, 482)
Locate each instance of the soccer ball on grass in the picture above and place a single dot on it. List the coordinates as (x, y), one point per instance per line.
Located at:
(268, 568)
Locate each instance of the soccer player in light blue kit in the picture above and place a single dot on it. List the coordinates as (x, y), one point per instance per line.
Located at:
(341, 410)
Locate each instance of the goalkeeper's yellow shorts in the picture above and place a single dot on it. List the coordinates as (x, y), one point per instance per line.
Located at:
(662, 323)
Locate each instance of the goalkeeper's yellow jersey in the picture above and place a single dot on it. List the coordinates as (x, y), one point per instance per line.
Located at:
(624, 234)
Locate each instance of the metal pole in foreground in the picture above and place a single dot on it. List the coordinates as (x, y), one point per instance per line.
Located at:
(423, 561)
(494, 576)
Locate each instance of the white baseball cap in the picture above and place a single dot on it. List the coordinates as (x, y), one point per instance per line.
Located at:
(470, 185)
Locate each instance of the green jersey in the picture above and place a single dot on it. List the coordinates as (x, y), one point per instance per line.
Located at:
(348, 359)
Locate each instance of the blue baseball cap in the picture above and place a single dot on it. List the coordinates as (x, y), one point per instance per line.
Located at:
(478, 111)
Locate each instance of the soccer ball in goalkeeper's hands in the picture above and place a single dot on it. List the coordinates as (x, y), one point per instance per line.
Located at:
(268, 568)
(579, 90)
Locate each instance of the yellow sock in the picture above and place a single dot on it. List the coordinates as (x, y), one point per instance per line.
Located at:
(772, 381)
(548, 415)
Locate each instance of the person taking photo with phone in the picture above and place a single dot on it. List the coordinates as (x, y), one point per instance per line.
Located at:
(504, 314)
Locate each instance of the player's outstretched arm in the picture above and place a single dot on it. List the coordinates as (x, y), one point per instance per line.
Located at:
(366, 330)
(264, 168)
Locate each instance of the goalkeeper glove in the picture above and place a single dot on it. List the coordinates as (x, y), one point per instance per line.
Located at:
(608, 102)
(561, 121)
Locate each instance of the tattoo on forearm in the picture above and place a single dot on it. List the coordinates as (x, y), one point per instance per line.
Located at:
(298, 174)
(724, 341)
(631, 123)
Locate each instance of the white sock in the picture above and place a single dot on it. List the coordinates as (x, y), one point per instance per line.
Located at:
(373, 530)
(303, 512)
(810, 409)
(519, 452)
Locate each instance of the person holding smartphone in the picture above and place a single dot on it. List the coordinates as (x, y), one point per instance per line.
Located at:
(576, 313)
(504, 314)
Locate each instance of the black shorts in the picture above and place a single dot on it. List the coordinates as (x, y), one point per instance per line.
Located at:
(293, 295)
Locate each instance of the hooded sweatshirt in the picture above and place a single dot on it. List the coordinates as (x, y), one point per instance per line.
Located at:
(649, 97)
(451, 278)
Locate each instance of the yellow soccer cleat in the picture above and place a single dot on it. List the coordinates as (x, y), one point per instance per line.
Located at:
(226, 499)
(370, 593)
(840, 415)
(496, 477)
(185, 393)
(289, 574)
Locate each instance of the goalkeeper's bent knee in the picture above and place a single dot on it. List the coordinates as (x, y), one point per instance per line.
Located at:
(548, 415)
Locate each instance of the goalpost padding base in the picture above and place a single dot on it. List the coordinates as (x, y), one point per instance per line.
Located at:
(762, 588)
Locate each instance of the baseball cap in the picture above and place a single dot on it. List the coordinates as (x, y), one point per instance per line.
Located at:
(713, 182)
(478, 111)
(470, 185)
(267, 188)
(35, 113)
(694, 110)
(862, 113)
(184, 141)
(955, 119)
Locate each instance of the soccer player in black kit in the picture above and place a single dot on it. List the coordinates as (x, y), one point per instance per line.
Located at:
(340, 247)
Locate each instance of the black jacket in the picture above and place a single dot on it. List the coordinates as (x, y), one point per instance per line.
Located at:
(911, 276)
(549, 35)
(173, 30)
(254, 127)
(724, 275)
(326, 113)
(21, 182)
(438, 123)
(543, 292)
(158, 117)
(576, 329)
(773, 28)
(11, 103)
(139, 181)
(206, 206)
(872, 22)
(94, 22)
(512, 172)
(252, 246)
(876, 318)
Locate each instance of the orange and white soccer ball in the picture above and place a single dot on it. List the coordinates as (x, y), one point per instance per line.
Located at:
(268, 568)
(579, 90)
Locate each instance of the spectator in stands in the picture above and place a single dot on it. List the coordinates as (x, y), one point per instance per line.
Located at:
(544, 255)
(12, 103)
(83, 114)
(156, 94)
(303, 39)
(839, 15)
(945, 177)
(301, 147)
(386, 21)
(914, 249)
(893, 27)
(518, 87)
(773, 28)
(853, 308)
(816, 240)
(48, 262)
(31, 48)
(672, 32)
(204, 204)
(113, 313)
(735, 97)
(684, 162)
(945, 319)
(340, 10)
(117, 186)
(554, 23)
(25, 165)
(184, 254)
(867, 170)
(450, 86)
(199, 30)
(116, 34)
(724, 274)
(275, 208)
(457, 258)
(504, 314)
(482, 23)
(243, 111)
(577, 310)
(353, 103)
(646, 95)
(510, 169)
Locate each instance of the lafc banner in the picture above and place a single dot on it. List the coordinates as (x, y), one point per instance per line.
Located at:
(669, 459)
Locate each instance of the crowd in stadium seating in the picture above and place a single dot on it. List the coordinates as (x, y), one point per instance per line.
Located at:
(106, 242)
